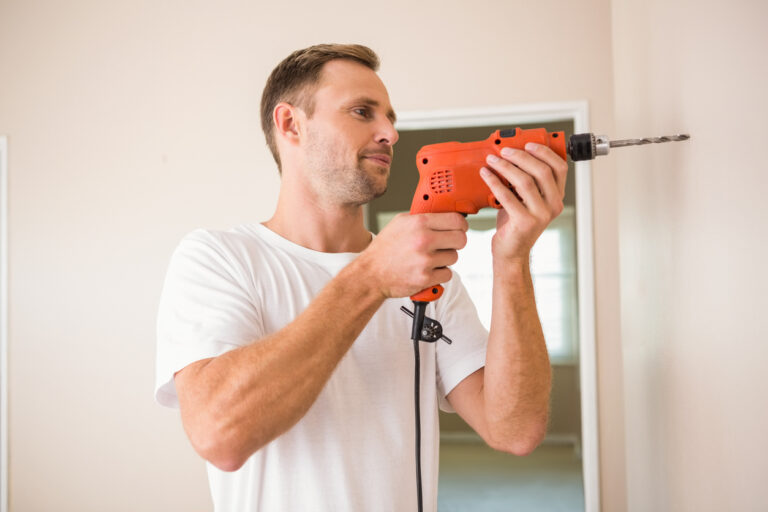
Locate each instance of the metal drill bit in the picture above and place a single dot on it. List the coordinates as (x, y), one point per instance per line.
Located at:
(648, 140)
(588, 146)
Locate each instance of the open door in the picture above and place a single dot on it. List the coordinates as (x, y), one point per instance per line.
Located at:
(564, 471)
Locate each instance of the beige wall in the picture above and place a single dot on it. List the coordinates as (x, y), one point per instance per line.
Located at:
(693, 252)
(131, 123)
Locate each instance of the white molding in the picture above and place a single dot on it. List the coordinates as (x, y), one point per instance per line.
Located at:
(578, 112)
(3, 324)
(485, 116)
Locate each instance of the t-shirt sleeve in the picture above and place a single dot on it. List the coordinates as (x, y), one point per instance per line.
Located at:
(457, 361)
(205, 309)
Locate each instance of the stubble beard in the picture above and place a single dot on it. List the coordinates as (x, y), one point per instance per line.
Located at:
(343, 184)
(353, 186)
(368, 185)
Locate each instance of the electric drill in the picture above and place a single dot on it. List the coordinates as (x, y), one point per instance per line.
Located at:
(449, 179)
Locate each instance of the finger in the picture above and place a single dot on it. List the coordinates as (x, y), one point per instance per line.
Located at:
(523, 183)
(558, 165)
(441, 275)
(448, 240)
(446, 257)
(445, 221)
(542, 173)
(503, 194)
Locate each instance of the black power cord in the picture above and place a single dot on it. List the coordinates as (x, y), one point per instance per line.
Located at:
(429, 330)
(416, 402)
(419, 309)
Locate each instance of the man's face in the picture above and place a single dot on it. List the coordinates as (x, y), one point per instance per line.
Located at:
(349, 138)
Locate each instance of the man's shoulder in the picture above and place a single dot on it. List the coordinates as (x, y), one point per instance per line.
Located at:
(244, 236)
(235, 247)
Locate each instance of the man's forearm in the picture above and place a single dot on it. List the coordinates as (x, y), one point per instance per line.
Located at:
(517, 373)
(234, 404)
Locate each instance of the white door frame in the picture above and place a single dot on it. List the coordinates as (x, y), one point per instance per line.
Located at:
(509, 116)
(3, 324)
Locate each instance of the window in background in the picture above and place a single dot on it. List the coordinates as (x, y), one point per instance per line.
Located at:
(553, 267)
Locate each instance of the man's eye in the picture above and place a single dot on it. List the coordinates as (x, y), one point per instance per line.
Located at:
(364, 112)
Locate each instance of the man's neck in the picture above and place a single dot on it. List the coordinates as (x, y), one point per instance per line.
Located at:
(320, 227)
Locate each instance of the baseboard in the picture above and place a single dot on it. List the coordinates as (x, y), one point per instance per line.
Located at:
(460, 438)
(457, 437)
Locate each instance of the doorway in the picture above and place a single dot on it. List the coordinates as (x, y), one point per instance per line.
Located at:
(564, 468)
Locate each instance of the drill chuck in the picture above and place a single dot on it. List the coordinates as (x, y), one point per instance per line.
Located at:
(587, 146)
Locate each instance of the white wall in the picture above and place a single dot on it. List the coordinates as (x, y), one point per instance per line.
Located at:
(693, 252)
(133, 122)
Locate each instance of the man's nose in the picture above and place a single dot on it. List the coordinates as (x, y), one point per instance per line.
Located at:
(387, 134)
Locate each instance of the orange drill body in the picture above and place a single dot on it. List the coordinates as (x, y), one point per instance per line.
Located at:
(449, 172)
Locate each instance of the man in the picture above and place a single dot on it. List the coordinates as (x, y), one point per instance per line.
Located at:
(283, 343)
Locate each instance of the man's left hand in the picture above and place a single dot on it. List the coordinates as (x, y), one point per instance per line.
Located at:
(537, 176)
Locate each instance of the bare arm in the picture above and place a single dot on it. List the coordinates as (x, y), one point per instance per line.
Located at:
(507, 402)
(234, 404)
(517, 374)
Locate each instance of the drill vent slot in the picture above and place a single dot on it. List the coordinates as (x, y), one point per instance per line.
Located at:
(441, 182)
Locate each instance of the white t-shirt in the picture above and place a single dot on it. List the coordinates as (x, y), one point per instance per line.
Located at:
(354, 449)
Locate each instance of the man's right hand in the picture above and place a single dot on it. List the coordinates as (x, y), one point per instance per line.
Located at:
(413, 251)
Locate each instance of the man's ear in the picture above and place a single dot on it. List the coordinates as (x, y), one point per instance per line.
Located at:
(288, 121)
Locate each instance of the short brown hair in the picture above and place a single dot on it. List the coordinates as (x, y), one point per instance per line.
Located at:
(292, 80)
